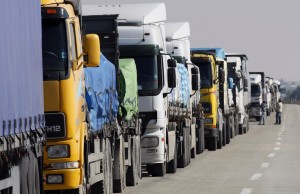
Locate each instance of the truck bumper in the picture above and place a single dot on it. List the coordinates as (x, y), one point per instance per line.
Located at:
(70, 179)
(153, 152)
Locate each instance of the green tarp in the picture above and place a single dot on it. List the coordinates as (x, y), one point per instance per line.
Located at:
(128, 89)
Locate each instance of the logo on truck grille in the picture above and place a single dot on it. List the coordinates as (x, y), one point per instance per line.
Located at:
(55, 125)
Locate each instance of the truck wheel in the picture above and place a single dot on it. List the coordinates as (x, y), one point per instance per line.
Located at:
(119, 183)
(224, 132)
(268, 112)
(228, 131)
(200, 137)
(212, 143)
(241, 131)
(133, 171)
(220, 140)
(172, 165)
(183, 159)
(107, 184)
(232, 123)
(157, 170)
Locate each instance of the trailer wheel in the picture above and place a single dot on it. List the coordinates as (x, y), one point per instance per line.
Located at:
(224, 131)
(133, 174)
(107, 184)
(200, 137)
(220, 140)
(183, 159)
(119, 183)
(157, 170)
(229, 129)
(172, 165)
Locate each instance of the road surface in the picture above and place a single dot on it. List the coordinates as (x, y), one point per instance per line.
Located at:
(266, 160)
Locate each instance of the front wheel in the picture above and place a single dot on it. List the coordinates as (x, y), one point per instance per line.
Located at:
(220, 141)
(212, 143)
(134, 171)
(157, 170)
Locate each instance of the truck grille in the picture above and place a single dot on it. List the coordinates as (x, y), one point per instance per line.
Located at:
(55, 125)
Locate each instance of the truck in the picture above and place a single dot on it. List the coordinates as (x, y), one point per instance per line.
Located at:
(258, 94)
(214, 96)
(237, 70)
(269, 95)
(178, 46)
(126, 148)
(22, 128)
(142, 37)
(76, 155)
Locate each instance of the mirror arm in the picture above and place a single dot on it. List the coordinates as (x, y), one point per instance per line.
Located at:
(166, 94)
(193, 94)
(74, 62)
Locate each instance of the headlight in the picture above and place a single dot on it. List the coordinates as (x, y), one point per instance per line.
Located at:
(55, 179)
(58, 151)
(149, 142)
(64, 165)
(208, 121)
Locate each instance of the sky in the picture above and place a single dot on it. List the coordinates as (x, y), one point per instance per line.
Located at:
(266, 30)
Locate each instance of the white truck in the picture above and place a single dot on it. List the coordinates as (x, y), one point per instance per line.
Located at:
(258, 93)
(142, 37)
(269, 95)
(238, 72)
(178, 46)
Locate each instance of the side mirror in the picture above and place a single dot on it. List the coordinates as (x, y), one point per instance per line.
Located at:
(245, 84)
(172, 78)
(194, 71)
(91, 48)
(222, 76)
(172, 63)
(230, 83)
(195, 82)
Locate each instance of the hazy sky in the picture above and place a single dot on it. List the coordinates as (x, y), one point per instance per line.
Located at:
(268, 31)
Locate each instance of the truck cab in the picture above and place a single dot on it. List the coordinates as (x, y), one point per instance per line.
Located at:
(258, 93)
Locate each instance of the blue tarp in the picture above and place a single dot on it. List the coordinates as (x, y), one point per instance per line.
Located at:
(101, 94)
(184, 85)
(21, 69)
(217, 52)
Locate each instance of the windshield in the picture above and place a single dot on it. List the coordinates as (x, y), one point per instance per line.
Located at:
(148, 73)
(55, 56)
(255, 90)
(205, 73)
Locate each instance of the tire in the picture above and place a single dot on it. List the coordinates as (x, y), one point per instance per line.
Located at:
(268, 112)
(200, 137)
(220, 140)
(228, 131)
(134, 171)
(241, 130)
(257, 118)
(232, 123)
(119, 183)
(157, 170)
(172, 165)
(212, 143)
(183, 159)
(224, 131)
(106, 186)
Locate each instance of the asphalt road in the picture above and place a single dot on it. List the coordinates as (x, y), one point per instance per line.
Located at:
(266, 160)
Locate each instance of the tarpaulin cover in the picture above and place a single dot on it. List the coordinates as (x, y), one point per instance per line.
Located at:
(128, 86)
(101, 94)
(21, 69)
(184, 85)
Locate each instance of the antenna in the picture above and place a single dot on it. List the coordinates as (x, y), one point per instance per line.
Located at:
(143, 29)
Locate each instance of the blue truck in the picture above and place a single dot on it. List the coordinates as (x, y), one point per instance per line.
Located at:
(21, 99)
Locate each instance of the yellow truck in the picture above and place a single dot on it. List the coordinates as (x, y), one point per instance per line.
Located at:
(214, 96)
(65, 153)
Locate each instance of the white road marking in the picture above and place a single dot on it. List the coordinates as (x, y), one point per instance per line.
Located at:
(246, 191)
(279, 133)
(271, 155)
(265, 165)
(279, 138)
(277, 148)
(282, 130)
(278, 143)
(256, 176)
